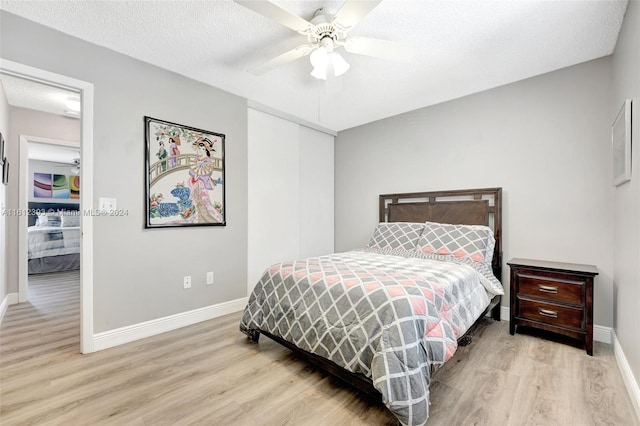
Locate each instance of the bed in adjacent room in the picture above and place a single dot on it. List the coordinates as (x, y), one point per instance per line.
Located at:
(386, 316)
(53, 238)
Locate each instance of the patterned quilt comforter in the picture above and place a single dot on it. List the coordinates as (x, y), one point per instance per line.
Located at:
(391, 317)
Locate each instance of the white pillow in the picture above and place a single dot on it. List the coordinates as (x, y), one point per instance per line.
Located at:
(49, 219)
(41, 220)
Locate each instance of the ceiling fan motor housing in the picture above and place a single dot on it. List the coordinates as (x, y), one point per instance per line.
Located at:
(323, 29)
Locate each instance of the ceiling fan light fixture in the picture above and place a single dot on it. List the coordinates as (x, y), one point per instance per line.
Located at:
(322, 58)
(319, 73)
(340, 66)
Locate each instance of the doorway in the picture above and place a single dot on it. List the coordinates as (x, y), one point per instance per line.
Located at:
(49, 186)
(85, 91)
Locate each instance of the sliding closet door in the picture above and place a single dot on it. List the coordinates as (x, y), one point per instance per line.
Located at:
(273, 193)
(290, 196)
(316, 192)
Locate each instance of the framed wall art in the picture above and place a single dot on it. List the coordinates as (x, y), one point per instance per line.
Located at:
(621, 144)
(4, 162)
(48, 185)
(42, 185)
(5, 171)
(184, 175)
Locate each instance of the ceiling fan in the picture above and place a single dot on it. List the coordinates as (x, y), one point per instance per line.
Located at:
(75, 165)
(325, 34)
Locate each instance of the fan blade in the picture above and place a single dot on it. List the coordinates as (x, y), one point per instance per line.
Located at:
(289, 56)
(352, 12)
(270, 10)
(383, 49)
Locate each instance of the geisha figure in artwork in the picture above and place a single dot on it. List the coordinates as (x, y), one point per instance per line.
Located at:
(174, 151)
(201, 182)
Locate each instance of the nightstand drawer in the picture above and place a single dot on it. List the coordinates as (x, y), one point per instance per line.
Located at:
(563, 316)
(550, 288)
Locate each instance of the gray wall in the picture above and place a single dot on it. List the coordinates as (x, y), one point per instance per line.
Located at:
(137, 272)
(544, 140)
(626, 272)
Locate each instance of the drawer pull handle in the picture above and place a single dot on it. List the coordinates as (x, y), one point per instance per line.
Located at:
(548, 313)
(548, 289)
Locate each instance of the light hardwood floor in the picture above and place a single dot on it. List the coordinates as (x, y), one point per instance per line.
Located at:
(209, 374)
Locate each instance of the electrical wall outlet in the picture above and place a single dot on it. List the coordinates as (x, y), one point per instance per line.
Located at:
(187, 281)
(209, 277)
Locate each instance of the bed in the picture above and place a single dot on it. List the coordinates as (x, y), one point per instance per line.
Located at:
(53, 238)
(386, 316)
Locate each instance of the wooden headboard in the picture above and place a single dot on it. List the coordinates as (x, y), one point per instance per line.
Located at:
(457, 207)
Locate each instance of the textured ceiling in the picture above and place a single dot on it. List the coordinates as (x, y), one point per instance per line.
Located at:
(464, 47)
(29, 94)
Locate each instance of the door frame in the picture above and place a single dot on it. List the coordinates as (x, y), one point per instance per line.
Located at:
(86, 91)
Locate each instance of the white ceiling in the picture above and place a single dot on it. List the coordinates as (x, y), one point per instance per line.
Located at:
(41, 97)
(464, 47)
(53, 153)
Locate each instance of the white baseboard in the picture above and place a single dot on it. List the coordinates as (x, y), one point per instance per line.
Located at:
(627, 375)
(9, 299)
(505, 313)
(600, 332)
(120, 336)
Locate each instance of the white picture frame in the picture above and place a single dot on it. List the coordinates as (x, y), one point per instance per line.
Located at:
(621, 145)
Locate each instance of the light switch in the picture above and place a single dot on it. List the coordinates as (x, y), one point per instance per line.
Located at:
(106, 203)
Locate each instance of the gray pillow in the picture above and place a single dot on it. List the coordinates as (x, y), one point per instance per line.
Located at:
(69, 220)
(475, 242)
(396, 235)
(54, 220)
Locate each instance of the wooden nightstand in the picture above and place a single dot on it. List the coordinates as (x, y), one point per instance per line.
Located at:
(553, 296)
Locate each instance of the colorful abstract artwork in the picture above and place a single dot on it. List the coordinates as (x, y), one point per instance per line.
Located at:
(48, 185)
(185, 178)
(74, 186)
(61, 186)
(42, 185)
